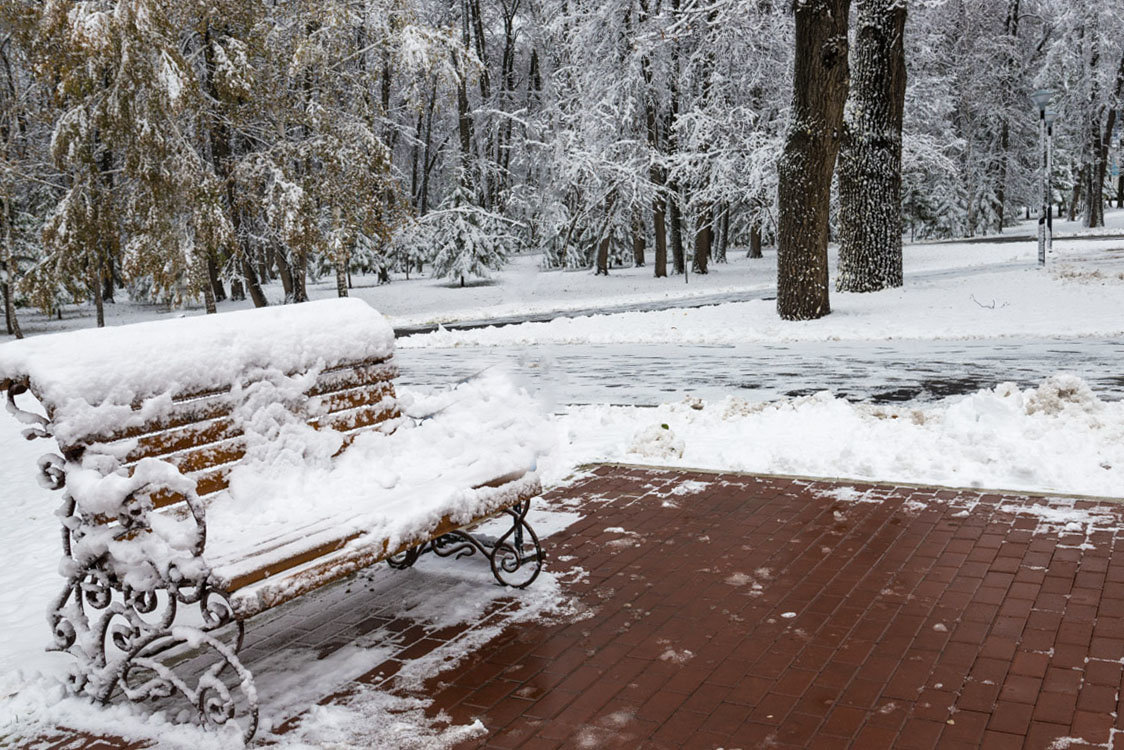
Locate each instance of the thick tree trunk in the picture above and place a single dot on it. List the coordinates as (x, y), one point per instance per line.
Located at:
(808, 159)
(1012, 29)
(11, 320)
(1120, 190)
(209, 299)
(1075, 203)
(870, 159)
(237, 290)
(655, 172)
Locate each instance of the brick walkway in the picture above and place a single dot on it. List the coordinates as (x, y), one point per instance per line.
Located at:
(737, 611)
(757, 613)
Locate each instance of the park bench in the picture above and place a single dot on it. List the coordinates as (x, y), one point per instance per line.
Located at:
(214, 467)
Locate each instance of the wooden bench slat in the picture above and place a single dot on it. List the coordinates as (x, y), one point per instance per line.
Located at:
(190, 409)
(204, 433)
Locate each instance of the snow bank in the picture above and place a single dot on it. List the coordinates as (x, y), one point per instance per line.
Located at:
(1057, 437)
(122, 364)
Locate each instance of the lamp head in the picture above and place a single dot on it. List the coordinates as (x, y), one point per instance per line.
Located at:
(1041, 98)
(1051, 115)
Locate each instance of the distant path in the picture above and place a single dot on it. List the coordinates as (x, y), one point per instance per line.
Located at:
(760, 293)
(703, 300)
(880, 372)
(1001, 239)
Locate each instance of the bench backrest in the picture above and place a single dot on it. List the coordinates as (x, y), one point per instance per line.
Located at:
(173, 389)
(202, 437)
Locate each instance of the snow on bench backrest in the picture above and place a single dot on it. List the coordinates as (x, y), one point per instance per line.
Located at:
(99, 381)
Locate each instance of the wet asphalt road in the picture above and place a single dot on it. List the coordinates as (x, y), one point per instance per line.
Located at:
(879, 372)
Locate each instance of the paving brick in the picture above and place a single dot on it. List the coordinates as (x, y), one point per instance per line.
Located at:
(912, 628)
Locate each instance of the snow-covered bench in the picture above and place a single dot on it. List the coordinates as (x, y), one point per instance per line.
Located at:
(206, 480)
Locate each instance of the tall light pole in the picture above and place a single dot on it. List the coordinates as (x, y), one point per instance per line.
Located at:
(1041, 99)
(1051, 115)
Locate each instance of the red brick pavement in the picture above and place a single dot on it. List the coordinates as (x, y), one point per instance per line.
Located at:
(758, 613)
(762, 612)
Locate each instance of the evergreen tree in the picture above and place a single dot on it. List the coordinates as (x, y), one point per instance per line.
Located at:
(468, 241)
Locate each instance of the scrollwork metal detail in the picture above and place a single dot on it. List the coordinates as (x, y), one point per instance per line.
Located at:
(143, 677)
(40, 426)
(516, 557)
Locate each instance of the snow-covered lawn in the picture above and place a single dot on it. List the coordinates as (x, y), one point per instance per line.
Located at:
(1059, 436)
(523, 288)
(1067, 301)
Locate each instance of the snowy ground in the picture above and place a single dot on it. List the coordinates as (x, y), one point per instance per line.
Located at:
(728, 387)
(524, 289)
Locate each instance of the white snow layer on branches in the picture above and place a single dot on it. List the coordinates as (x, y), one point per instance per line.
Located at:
(81, 374)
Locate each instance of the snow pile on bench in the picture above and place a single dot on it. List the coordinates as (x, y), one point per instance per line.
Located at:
(384, 489)
(123, 365)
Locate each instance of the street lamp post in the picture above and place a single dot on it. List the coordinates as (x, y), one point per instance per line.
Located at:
(1041, 99)
(1050, 116)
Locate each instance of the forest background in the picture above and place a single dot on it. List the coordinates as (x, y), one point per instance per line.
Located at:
(191, 149)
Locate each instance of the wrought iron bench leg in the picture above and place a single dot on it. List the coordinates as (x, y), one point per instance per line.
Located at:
(516, 557)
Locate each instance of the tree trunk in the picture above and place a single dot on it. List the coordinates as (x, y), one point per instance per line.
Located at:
(1120, 190)
(252, 283)
(213, 277)
(237, 290)
(870, 159)
(341, 279)
(300, 278)
(808, 159)
(1073, 204)
(639, 244)
(675, 229)
(661, 237)
(1104, 145)
(11, 321)
(722, 236)
(655, 172)
(285, 271)
(704, 239)
(209, 299)
(754, 241)
(603, 257)
(1012, 30)
(95, 290)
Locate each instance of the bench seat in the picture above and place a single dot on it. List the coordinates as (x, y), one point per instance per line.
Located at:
(273, 571)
